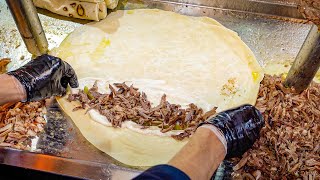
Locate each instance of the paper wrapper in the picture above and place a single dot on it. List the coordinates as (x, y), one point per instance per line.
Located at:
(84, 9)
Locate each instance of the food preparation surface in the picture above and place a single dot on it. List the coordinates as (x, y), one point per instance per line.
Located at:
(275, 37)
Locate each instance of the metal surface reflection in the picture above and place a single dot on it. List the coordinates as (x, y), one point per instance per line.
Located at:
(29, 26)
(63, 166)
(307, 62)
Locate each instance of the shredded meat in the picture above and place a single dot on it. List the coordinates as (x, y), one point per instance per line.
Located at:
(3, 65)
(310, 9)
(19, 122)
(289, 146)
(127, 103)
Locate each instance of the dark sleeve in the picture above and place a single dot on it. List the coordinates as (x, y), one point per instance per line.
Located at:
(163, 172)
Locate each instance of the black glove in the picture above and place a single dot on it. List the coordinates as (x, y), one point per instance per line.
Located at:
(241, 127)
(45, 76)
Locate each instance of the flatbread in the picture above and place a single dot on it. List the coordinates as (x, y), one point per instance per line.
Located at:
(191, 59)
(84, 9)
(125, 145)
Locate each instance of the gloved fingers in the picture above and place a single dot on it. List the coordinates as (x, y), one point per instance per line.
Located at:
(63, 91)
(71, 75)
(74, 82)
(64, 82)
(62, 87)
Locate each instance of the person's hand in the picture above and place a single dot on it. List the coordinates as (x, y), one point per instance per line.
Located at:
(44, 77)
(240, 126)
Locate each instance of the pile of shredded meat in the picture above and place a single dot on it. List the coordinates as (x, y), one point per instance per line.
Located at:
(289, 146)
(127, 103)
(19, 122)
(310, 9)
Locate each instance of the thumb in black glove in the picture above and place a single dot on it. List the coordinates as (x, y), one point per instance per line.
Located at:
(45, 76)
(240, 126)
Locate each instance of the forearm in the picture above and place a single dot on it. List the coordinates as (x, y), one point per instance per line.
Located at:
(201, 156)
(228, 134)
(10, 89)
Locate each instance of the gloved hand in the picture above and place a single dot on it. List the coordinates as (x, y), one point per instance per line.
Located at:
(240, 126)
(44, 77)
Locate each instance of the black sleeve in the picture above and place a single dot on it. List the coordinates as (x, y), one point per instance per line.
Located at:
(166, 172)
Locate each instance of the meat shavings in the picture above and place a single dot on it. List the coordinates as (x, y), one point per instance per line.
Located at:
(289, 146)
(310, 9)
(3, 65)
(127, 103)
(19, 122)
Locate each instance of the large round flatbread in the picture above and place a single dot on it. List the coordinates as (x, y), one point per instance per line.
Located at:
(191, 59)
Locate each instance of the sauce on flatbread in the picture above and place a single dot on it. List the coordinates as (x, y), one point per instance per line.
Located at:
(125, 103)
